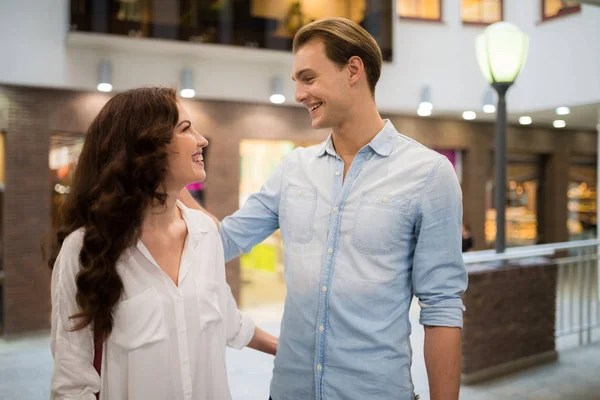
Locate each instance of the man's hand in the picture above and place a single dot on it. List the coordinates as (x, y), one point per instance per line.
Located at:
(443, 361)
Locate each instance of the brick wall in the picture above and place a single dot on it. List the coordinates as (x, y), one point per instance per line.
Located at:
(510, 316)
(26, 212)
(29, 116)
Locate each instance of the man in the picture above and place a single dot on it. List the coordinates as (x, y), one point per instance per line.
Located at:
(368, 218)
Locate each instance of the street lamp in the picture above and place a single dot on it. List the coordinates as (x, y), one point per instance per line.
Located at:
(501, 52)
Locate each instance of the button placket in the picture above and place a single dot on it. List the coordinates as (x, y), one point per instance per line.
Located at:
(183, 346)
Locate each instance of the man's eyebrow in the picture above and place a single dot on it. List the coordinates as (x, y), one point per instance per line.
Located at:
(300, 73)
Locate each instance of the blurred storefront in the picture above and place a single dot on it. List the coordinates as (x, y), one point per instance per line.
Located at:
(582, 199)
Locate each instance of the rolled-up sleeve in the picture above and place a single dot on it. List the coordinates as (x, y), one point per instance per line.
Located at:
(256, 220)
(74, 375)
(240, 327)
(439, 275)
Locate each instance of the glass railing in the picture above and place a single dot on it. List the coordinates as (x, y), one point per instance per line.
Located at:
(267, 24)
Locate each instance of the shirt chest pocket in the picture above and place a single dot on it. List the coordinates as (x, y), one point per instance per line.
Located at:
(139, 321)
(207, 297)
(300, 206)
(378, 225)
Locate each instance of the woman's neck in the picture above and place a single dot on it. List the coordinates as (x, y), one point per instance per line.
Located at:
(160, 217)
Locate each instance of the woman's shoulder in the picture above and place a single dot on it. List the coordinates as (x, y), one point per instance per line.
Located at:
(74, 241)
(199, 219)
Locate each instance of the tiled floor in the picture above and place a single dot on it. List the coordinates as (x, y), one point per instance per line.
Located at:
(26, 367)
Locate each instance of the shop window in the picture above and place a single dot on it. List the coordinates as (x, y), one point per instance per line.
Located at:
(269, 24)
(582, 201)
(430, 10)
(64, 151)
(261, 268)
(558, 8)
(521, 204)
(481, 11)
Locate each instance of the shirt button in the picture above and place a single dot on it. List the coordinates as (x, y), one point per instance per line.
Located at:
(385, 200)
(336, 209)
(321, 328)
(338, 173)
(324, 288)
(299, 192)
(330, 250)
(319, 367)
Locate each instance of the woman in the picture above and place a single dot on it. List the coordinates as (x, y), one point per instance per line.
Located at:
(135, 272)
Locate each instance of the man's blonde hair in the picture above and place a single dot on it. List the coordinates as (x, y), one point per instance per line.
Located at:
(344, 39)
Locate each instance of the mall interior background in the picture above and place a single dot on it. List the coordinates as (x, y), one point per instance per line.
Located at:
(235, 50)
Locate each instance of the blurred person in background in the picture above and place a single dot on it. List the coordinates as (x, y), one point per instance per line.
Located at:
(136, 275)
(467, 238)
(368, 218)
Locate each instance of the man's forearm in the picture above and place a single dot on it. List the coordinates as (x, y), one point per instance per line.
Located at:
(443, 362)
(186, 198)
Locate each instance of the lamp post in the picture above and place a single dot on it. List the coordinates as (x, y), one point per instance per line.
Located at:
(501, 52)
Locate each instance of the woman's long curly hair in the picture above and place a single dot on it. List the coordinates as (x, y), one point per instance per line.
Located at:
(119, 174)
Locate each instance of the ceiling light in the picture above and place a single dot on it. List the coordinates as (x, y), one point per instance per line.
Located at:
(489, 108)
(104, 77)
(469, 115)
(488, 101)
(563, 111)
(525, 120)
(277, 96)
(425, 99)
(559, 123)
(424, 112)
(186, 82)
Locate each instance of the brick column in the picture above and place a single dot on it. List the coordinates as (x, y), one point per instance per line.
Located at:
(509, 320)
(26, 212)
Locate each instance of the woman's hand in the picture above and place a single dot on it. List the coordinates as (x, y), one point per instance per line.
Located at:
(263, 341)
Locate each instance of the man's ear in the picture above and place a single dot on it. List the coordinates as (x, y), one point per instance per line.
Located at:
(356, 69)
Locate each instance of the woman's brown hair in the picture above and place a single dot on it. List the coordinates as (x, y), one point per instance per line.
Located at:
(119, 174)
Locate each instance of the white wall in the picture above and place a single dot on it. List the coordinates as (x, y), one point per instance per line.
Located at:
(562, 68)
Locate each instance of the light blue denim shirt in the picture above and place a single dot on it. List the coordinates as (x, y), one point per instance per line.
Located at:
(356, 250)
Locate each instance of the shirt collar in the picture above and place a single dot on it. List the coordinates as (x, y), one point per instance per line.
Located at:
(196, 228)
(382, 143)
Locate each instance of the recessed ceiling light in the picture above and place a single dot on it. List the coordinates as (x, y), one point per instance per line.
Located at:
(525, 120)
(563, 111)
(469, 115)
(559, 123)
(424, 111)
(489, 109)
(277, 98)
(187, 93)
(104, 87)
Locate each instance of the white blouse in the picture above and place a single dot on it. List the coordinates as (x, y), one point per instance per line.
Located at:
(168, 341)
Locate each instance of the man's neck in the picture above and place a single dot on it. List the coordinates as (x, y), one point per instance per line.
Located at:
(355, 133)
